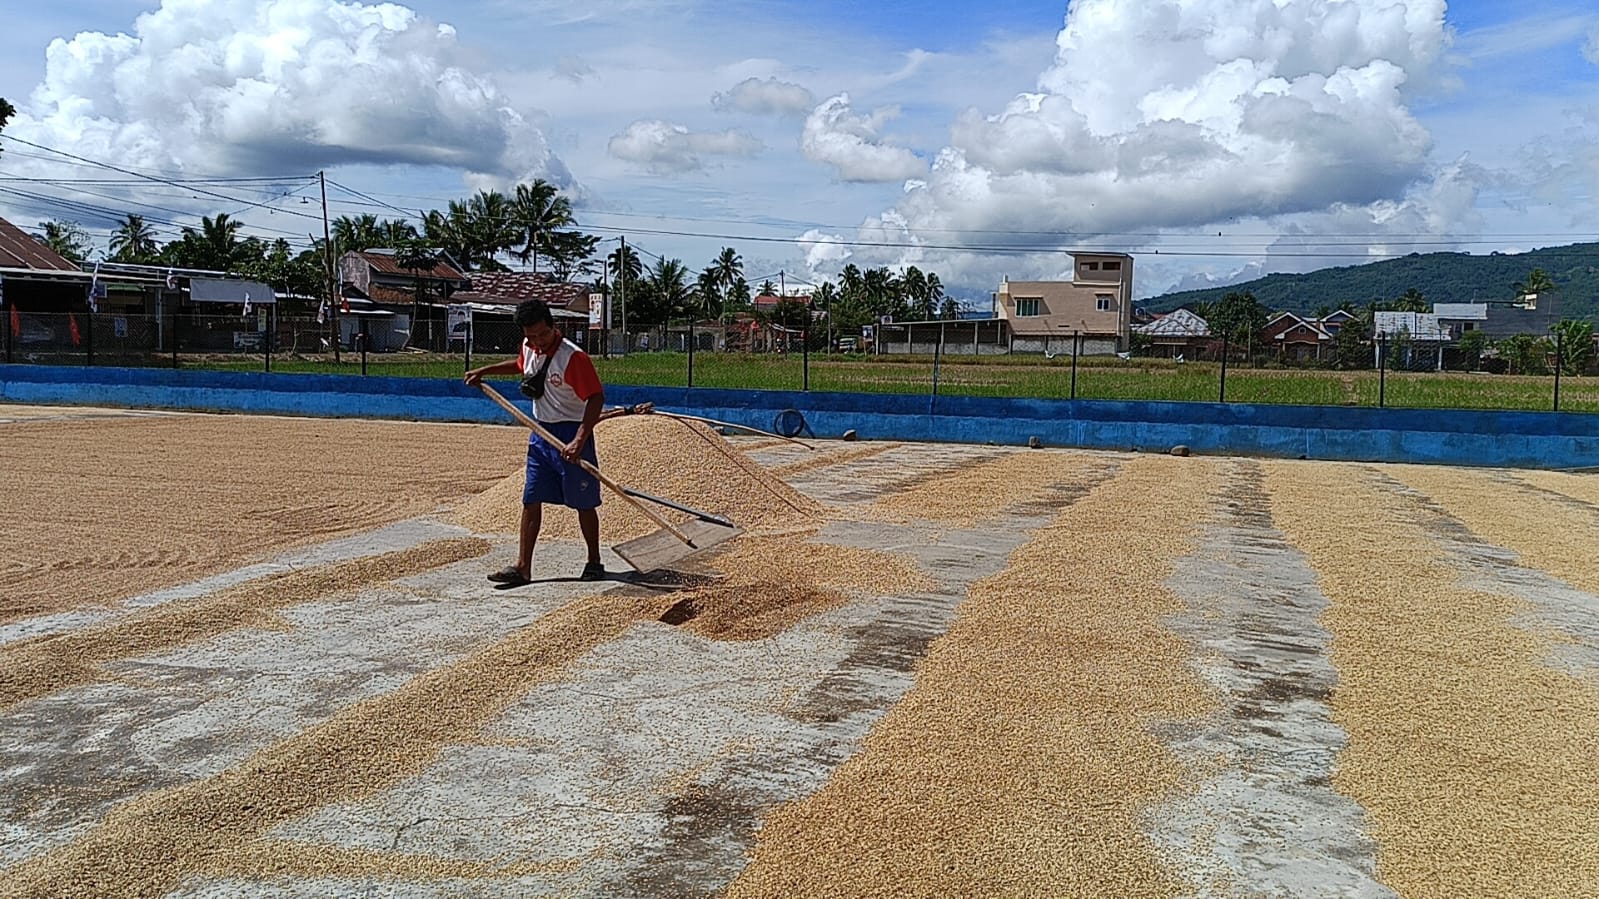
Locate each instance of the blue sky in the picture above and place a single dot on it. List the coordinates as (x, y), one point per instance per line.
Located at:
(1234, 137)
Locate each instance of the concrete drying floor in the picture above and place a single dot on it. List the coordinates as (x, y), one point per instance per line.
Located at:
(1096, 674)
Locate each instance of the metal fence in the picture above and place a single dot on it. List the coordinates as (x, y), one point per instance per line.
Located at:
(1530, 374)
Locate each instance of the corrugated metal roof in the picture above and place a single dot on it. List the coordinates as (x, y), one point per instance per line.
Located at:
(384, 261)
(1180, 323)
(18, 250)
(514, 287)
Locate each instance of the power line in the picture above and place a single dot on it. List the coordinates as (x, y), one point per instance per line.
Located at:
(363, 196)
(135, 174)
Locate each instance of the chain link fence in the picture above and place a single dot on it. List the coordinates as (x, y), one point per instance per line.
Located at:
(955, 359)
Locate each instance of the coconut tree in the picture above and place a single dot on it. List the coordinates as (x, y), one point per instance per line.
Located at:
(66, 238)
(134, 241)
(416, 257)
(215, 245)
(1537, 282)
(933, 289)
(538, 211)
(729, 268)
(354, 234)
(708, 293)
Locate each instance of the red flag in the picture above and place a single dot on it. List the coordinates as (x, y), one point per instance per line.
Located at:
(72, 328)
(16, 320)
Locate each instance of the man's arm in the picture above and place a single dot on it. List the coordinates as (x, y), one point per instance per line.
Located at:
(592, 407)
(508, 367)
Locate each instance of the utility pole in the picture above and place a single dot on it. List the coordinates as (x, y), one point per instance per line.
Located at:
(327, 248)
(621, 292)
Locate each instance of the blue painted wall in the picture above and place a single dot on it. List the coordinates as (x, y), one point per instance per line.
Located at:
(1455, 437)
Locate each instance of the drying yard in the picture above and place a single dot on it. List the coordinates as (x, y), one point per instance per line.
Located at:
(256, 656)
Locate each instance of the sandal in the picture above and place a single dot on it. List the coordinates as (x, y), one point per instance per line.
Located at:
(510, 577)
(592, 571)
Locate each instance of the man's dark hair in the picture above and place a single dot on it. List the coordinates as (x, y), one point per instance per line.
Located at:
(531, 312)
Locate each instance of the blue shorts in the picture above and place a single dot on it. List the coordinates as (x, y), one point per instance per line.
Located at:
(552, 479)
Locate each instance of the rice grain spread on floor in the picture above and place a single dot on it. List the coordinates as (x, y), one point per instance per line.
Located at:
(255, 656)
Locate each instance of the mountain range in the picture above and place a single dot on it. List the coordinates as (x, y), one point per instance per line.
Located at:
(1440, 277)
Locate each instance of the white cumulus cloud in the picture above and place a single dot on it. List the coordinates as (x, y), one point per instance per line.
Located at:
(1590, 47)
(852, 144)
(1174, 114)
(664, 147)
(765, 97)
(282, 85)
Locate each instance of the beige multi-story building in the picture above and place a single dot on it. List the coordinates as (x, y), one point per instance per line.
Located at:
(1097, 304)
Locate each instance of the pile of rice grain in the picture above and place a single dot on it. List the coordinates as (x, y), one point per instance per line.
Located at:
(682, 461)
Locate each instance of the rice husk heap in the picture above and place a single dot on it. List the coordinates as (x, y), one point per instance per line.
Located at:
(681, 461)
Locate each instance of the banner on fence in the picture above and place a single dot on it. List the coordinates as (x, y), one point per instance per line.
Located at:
(458, 321)
(597, 317)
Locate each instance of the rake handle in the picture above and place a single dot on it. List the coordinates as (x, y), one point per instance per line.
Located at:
(533, 425)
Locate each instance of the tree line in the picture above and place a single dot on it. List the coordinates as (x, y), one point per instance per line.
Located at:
(1240, 317)
(535, 225)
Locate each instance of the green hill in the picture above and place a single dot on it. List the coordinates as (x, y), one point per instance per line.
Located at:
(1441, 278)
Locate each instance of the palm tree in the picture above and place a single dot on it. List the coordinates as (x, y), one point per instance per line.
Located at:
(670, 281)
(1538, 281)
(625, 263)
(768, 289)
(134, 241)
(915, 287)
(416, 257)
(1411, 301)
(538, 211)
(933, 289)
(825, 295)
(728, 267)
(708, 293)
(397, 232)
(66, 238)
(215, 246)
(352, 235)
(492, 226)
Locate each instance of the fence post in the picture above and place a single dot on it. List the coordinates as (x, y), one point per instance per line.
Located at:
(272, 317)
(805, 352)
(1382, 369)
(363, 338)
(174, 334)
(88, 336)
(1559, 363)
(10, 309)
(1225, 347)
(468, 344)
(1076, 345)
(691, 351)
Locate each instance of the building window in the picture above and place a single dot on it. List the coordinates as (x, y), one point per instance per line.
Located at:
(1026, 306)
(1090, 266)
(1102, 303)
(1113, 266)
(1470, 326)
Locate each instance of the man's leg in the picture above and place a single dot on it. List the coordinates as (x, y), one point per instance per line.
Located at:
(528, 535)
(589, 521)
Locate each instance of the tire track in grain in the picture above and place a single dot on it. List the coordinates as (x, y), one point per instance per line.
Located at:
(1583, 488)
(1022, 759)
(831, 457)
(33, 668)
(1552, 534)
(148, 845)
(985, 489)
(1472, 756)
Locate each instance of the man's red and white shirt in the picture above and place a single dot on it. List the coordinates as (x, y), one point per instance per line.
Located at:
(568, 383)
